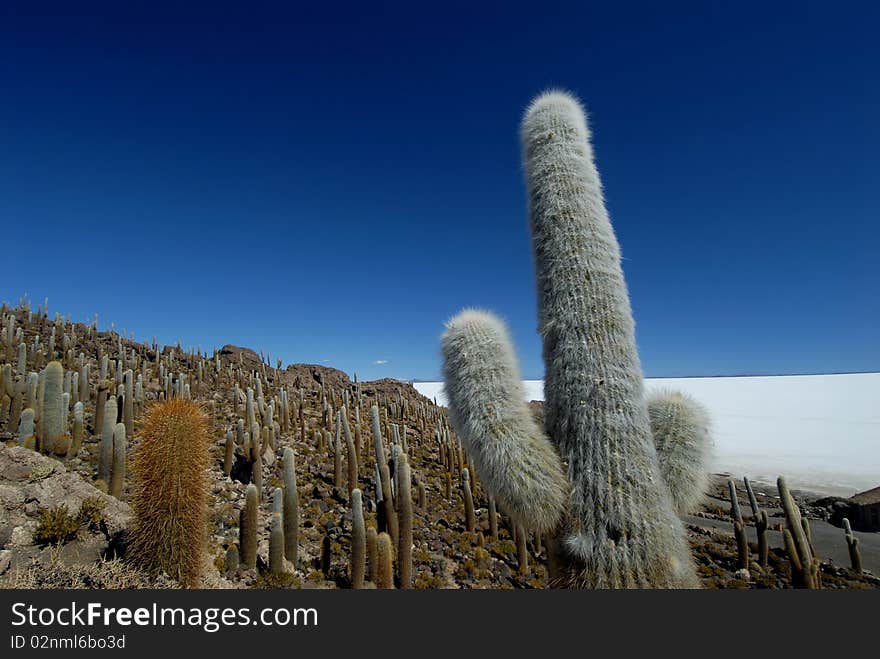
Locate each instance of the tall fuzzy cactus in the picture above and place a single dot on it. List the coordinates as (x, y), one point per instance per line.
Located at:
(680, 428)
(619, 525)
(358, 540)
(487, 407)
(53, 412)
(291, 506)
(117, 476)
(105, 456)
(351, 452)
(170, 491)
(128, 402)
(405, 519)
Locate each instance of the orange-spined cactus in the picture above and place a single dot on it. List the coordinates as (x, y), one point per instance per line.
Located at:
(170, 497)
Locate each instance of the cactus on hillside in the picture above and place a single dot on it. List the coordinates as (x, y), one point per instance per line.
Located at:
(358, 540)
(105, 455)
(247, 527)
(372, 553)
(619, 528)
(405, 523)
(384, 571)
(291, 505)
(26, 428)
(117, 474)
(53, 414)
(276, 544)
(78, 429)
(170, 491)
(468, 500)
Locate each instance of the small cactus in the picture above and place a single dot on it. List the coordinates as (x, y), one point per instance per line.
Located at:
(852, 544)
(522, 554)
(232, 559)
(358, 540)
(735, 512)
(78, 429)
(384, 563)
(247, 527)
(804, 566)
(276, 545)
(742, 544)
(493, 519)
(229, 453)
(468, 498)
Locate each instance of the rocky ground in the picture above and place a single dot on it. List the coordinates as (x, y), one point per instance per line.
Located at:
(58, 528)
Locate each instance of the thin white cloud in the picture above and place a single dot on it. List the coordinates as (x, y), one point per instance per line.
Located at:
(379, 362)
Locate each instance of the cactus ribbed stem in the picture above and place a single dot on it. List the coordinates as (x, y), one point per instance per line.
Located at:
(291, 505)
(372, 553)
(805, 567)
(170, 491)
(468, 499)
(358, 540)
(384, 567)
(117, 477)
(405, 519)
(247, 528)
(53, 412)
(105, 462)
(276, 545)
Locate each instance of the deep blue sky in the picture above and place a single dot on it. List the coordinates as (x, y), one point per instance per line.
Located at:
(333, 186)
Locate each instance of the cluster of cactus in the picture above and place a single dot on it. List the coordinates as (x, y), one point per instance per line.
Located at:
(798, 544)
(594, 479)
(70, 388)
(852, 544)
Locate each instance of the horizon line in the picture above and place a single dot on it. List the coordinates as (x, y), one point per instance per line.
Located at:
(693, 377)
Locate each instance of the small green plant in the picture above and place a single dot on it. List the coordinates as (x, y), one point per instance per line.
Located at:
(269, 580)
(40, 472)
(56, 526)
(91, 513)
